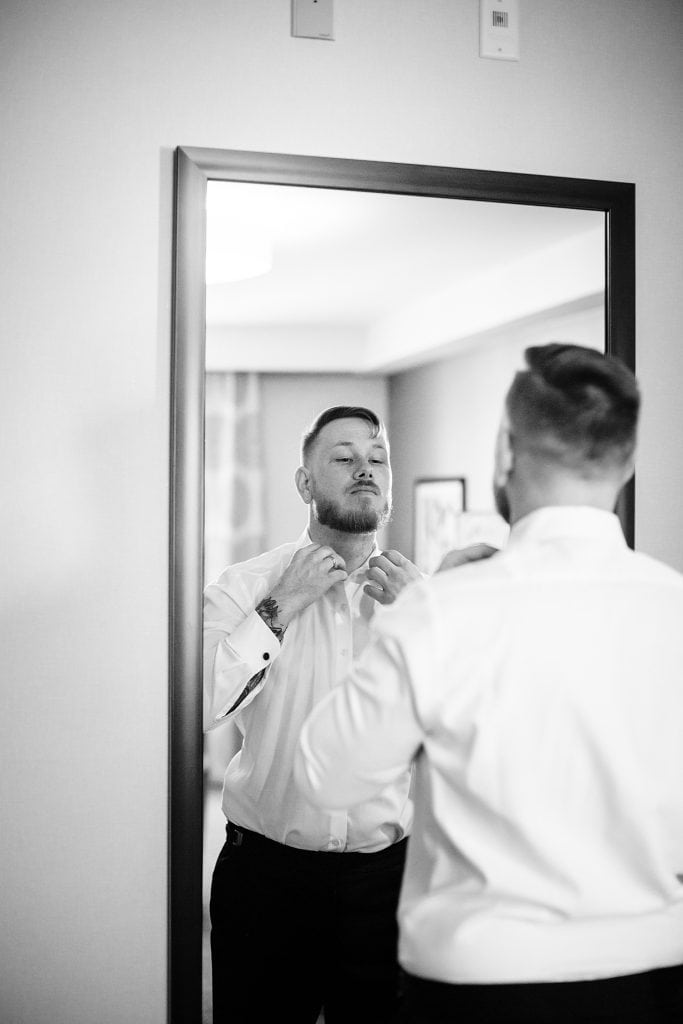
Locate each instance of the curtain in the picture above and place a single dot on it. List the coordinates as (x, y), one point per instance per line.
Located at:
(233, 495)
(234, 527)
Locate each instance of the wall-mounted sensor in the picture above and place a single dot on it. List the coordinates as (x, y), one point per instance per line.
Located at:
(313, 19)
(499, 29)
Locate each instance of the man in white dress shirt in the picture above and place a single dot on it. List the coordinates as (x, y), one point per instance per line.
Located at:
(541, 693)
(303, 901)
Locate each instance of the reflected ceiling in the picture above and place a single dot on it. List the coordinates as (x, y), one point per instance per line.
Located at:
(358, 270)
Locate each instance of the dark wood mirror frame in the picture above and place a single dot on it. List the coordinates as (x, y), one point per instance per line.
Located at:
(194, 168)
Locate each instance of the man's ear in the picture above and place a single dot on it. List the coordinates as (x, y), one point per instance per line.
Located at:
(504, 458)
(302, 479)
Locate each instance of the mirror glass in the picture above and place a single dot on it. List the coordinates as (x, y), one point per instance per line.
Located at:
(418, 307)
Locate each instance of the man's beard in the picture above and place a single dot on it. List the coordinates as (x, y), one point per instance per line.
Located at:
(362, 520)
(502, 502)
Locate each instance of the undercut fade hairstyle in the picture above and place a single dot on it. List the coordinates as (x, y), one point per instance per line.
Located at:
(575, 407)
(337, 412)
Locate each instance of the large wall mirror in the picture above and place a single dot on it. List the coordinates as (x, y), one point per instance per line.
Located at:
(302, 282)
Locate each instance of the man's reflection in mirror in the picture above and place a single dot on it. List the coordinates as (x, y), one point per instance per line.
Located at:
(303, 900)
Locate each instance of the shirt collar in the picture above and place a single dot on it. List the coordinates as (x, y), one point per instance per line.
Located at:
(579, 521)
(303, 540)
(358, 573)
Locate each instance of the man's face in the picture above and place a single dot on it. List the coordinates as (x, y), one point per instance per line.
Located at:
(349, 477)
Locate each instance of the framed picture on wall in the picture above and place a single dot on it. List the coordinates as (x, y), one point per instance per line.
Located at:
(439, 501)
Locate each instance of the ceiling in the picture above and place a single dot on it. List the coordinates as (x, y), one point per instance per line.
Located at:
(345, 264)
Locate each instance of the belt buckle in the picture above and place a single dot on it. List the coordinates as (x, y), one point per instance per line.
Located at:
(235, 835)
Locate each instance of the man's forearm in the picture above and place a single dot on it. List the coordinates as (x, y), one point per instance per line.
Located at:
(268, 610)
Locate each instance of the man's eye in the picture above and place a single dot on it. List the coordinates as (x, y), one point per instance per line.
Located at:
(342, 460)
(380, 462)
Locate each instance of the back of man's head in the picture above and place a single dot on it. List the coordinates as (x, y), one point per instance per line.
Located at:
(574, 408)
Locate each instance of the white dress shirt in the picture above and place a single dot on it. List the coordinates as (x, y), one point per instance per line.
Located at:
(318, 650)
(543, 689)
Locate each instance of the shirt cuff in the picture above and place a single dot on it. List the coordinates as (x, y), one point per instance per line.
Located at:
(254, 643)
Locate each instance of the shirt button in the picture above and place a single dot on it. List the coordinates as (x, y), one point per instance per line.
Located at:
(266, 656)
(344, 651)
(334, 844)
(345, 607)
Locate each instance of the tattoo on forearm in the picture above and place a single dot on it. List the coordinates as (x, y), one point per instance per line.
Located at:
(268, 610)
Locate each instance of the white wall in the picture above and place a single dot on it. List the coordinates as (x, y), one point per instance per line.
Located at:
(95, 96)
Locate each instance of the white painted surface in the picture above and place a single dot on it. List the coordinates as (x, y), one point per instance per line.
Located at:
(95, 98)
(566, 272)
(375, 282)
(391, 274)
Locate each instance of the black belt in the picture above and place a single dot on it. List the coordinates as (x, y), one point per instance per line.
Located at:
(237, 835)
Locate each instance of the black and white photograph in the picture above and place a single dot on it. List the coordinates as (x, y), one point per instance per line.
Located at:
(342, 547)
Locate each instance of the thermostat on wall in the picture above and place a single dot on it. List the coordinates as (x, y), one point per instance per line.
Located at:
(499, 29)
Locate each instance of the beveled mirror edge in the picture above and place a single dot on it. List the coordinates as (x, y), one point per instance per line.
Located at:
(194, 167)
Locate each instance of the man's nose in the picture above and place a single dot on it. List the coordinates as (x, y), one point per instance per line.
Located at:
(363, 470)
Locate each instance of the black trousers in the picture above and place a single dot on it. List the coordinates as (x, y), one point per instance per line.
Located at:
(654, 997)
(294, 931)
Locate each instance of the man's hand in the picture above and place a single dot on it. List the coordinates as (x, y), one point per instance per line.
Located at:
(461, 556)
(309, 575)
(389, 573)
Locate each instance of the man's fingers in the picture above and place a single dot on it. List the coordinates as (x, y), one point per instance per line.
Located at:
(382, 563)
(461, 556)
(335, 565)
(324, 553)
(376, 593)
(315, 562)
(395, 557)
(475, 552)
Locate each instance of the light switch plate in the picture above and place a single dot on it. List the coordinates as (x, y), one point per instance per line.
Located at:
(313, 19)
(499, 29)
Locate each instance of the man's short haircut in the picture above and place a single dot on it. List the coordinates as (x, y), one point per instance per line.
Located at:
(337, 412)
(575, 407)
